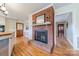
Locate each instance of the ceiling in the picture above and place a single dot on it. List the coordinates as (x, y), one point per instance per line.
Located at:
(22, 10)
(58, 5)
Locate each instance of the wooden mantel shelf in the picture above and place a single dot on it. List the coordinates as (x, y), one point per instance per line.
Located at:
(41, 24)
(5, 33)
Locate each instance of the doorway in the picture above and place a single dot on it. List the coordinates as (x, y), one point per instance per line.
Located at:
(19, 29)
(60, 30)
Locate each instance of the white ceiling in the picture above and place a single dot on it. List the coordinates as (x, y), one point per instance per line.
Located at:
(22, 10)
(58, 5)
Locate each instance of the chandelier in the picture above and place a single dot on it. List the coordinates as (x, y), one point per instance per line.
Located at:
(3, 9)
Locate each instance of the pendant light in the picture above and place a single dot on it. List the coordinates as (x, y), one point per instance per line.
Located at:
(3, 9)
(6, 12)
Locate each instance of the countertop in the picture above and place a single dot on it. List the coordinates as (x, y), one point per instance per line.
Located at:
(5, 33)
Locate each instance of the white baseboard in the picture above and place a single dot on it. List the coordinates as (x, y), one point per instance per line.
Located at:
(70, 42)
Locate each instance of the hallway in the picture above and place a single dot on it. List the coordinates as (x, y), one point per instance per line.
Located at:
(27, 49)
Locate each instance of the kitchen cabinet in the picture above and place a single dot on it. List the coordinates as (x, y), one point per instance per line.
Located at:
(6, 44)
(2, 20)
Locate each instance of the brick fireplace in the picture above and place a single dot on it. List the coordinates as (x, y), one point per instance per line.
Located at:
(43, 35)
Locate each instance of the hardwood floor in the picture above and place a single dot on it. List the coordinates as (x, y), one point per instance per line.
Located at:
(62, 48)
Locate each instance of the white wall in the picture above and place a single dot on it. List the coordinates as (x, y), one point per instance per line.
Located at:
(69, 31)
(77, 19)
(28, 32)
(30, 27)
(77, 26)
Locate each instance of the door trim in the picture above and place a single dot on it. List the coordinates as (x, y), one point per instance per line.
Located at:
(22, 27)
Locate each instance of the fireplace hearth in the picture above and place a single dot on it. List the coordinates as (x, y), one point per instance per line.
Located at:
(42, 36)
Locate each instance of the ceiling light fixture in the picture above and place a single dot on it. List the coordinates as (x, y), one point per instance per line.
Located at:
(3, 9)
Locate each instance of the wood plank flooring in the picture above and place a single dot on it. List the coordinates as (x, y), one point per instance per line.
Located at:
(62, 48)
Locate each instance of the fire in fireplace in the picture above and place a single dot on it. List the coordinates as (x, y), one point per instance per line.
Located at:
(41, 35)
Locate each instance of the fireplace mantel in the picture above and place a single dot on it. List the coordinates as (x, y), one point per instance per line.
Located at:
(41, 24)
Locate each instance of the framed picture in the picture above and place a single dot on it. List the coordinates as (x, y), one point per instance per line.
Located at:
(40, 19)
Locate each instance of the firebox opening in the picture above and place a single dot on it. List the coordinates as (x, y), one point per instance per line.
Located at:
(41, 35)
